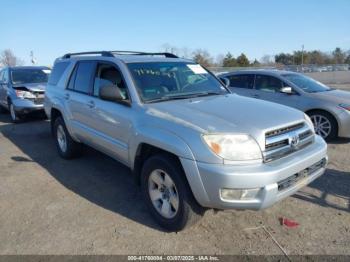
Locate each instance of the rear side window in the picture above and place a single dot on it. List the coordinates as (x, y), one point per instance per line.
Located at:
(84, 77)
(57, 72)
(242, 81)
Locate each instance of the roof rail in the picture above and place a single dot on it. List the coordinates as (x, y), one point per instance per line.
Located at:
(111, 54)
(102, 53)
(170, 55)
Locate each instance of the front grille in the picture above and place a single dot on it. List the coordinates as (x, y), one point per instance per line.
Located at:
(39, 98)
(294, 179)
(283, 130)
(284, 141)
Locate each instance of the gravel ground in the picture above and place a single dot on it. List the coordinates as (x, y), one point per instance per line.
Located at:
(91, 206)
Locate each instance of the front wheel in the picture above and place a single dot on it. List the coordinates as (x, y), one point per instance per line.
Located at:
(167, 193)
(15, 117)
(325, 125)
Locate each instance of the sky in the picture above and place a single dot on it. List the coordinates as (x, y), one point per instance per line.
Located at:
(254, 27)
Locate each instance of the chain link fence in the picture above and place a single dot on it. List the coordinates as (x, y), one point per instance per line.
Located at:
(328, 74)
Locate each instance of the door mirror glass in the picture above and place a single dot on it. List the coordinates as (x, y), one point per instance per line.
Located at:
(111, 93)
(287, 90)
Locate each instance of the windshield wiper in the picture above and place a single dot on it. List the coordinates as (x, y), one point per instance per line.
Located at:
(182, 96)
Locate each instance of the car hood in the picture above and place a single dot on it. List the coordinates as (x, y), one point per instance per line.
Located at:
(36, 87)
(338, 96)
(226, 114)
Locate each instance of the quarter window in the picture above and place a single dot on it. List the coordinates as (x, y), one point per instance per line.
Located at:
(57, 72)
(268, 83)
(242, 81)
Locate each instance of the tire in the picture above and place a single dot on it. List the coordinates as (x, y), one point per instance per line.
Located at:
(183, 214)
(325, 124)
(15, 117)
(2, 109)
(66, 146)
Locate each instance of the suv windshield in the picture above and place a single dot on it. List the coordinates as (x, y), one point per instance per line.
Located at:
(306, 83)
(157, 81)
(29, 76)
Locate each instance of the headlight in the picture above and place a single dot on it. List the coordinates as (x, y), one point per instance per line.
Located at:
(345, 106)
(309, 122)
(240, 147)
(24, 94)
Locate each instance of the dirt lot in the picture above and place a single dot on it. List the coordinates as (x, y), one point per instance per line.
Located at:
(91, 206)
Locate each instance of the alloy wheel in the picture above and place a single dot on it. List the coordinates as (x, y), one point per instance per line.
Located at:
(61, 138)
(323, 126)
(163, 193)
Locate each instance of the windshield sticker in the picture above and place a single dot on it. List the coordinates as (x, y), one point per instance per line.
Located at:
(46, 71)
(197, 69)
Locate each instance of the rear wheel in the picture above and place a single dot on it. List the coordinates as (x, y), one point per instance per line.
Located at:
(325, 125)
(66, 146)
(167, 193)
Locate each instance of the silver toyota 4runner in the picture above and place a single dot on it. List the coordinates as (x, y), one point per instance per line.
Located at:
(191, 144)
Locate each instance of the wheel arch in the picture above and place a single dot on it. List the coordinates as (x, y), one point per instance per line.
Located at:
(314, 110)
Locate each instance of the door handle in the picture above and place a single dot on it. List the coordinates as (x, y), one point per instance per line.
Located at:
(255, 96)
(66, 96)
(91, 104)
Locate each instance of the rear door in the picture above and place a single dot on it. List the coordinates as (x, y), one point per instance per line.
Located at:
(78, 96)
(242, 84)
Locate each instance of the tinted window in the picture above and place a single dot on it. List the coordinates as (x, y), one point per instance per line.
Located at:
(306, 83)
(268, 83)
(30, 75)
(5, 77)
(108, 75)
(72, 78)
(83, 79)
(242, 81)
(57, 72)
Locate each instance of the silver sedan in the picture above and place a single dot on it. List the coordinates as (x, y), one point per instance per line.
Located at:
(328, 108)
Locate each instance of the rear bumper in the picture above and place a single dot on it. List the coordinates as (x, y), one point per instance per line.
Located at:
(266, 177)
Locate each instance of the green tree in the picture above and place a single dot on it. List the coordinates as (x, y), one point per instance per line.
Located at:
(255, 63)
(285, 59)
(242, 60)
(229, 61)
(338, 56)
(347, 60)
(202, 57)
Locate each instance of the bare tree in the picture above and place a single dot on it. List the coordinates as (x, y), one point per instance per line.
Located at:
(267, 60)
(7, 58)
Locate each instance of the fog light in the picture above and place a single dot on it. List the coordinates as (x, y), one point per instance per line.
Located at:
(239, 194)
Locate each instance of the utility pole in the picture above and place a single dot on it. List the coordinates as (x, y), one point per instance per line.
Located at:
(33, 60)
(302, 55)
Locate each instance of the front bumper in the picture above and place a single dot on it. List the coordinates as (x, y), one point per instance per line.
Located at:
(344, 124)
(266, 176)
(25, 106)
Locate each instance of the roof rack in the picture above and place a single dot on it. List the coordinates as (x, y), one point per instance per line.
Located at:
(112, 53)
(102, 53)
(169, 55)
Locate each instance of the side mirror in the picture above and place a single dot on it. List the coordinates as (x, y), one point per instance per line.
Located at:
(110, 93)
(226, 81)
(287, 90)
